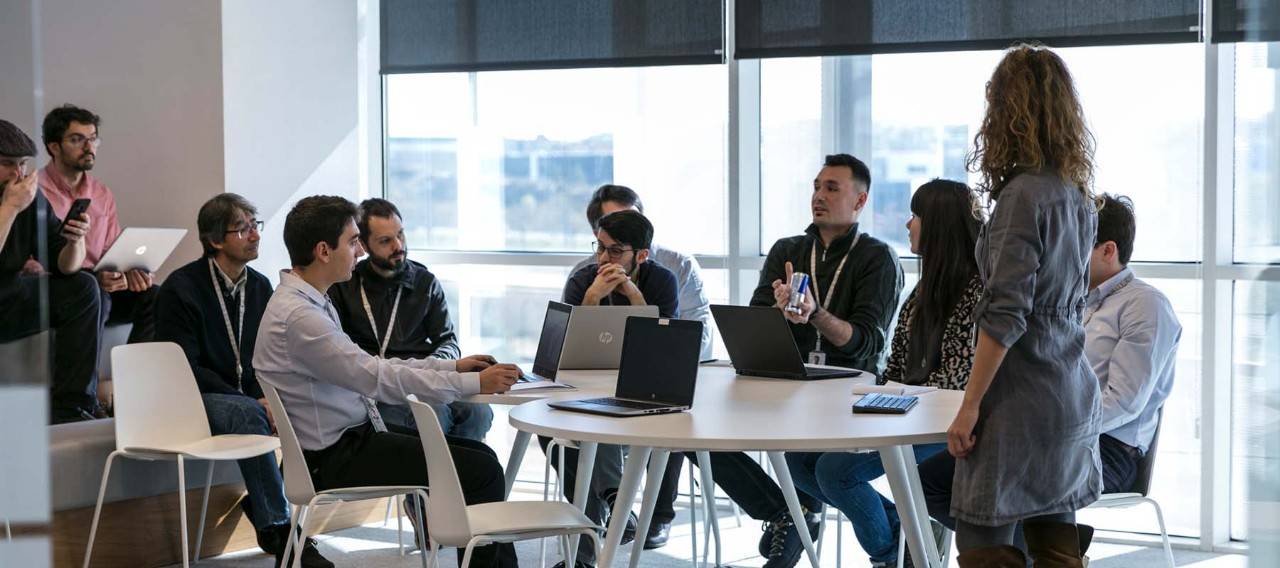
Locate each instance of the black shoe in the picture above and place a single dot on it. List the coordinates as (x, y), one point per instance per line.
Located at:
(311, 557)
(271, 539)
(410, 509)
(780, 544)
(576, 564)
(658, 535)
(629, 531)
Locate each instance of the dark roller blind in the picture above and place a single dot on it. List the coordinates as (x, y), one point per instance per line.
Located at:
(785, 28)
(1246, 20)
(479, 35)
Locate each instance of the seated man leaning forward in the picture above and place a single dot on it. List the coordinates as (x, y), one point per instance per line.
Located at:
(329, 386)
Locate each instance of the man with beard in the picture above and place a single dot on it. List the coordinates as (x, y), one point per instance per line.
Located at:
(71, 138)
(212, 308)
(395, 307)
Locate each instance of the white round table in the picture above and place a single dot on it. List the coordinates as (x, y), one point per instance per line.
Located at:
(740, 413)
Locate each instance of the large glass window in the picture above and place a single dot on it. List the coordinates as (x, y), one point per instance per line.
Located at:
(1257, 372)
(1257, 153)
(922, 111)
(506, 161)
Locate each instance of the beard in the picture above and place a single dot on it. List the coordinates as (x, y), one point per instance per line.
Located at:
(395, 263)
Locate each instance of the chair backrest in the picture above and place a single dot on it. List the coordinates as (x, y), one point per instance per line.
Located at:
(157, 401)
(1142, 483)
(447, 509)
(298, 487)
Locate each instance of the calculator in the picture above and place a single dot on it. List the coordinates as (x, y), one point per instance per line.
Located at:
(877, 403)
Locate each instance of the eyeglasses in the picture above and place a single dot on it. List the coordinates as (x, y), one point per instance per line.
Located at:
(78, 140)
(614, 251)
(253, 225)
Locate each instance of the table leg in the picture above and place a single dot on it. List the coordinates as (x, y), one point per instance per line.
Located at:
(709, 501)
(652, 482)
(904, 482)
(586, 467)
(517, 456)
(637, 459)
(779, 461)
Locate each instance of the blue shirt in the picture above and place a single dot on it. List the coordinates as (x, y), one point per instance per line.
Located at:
(1131, 341)
(656, 284)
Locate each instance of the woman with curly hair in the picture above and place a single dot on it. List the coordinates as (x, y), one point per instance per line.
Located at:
(1026, 436)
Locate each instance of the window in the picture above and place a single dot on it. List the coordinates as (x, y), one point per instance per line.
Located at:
(1257, 372)
(506, 161)
(1257, 153)
(922, 111)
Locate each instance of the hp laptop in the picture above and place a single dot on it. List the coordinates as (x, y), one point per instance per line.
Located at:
(595, 335)
(550, 343)
(657, 373)
(760, 344)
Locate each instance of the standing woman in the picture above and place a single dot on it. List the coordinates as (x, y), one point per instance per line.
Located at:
(1026, 436)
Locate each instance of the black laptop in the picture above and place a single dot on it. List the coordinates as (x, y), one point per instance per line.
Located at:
(550, 344)
(657, 372)
(760, 344)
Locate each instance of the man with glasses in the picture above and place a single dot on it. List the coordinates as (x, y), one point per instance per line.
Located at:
(622, 275)
(212, 308)
(27, 225)
(71, 138)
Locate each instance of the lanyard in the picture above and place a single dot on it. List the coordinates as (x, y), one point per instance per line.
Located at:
(831, 289)
(233, 335)
(368, 311)
(1088, 317)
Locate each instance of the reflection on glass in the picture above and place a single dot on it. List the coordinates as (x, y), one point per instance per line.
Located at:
(508, 160)
(1256, 409)
(1257, 153)
(925, 109)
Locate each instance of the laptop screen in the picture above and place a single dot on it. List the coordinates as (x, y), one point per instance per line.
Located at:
(660, 360)
(550, 343)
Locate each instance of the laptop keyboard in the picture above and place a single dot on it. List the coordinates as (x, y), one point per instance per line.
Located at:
(885, 403)
(609, 401)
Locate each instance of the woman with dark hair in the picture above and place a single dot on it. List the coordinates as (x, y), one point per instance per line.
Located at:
(1025, 438)
(932, 345)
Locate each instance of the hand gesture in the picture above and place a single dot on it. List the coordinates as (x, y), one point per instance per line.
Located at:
(782, 297)
(608, 277)
(473, 363)
(111, 281)
(960, 438)
(32, 267)
(20, 192)
(75, 229)
(138, 280)
(498, 378)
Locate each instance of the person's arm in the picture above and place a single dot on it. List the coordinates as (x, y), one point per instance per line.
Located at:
(439, 327)
(1014, 252)
(1148, 342)
(19, 193)
(575, 287)
(694, 304)
(864, 332)
(959, 342)
(178, 320)
(774, 269)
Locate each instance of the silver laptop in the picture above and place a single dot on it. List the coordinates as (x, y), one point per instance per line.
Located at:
(141, 248)
(658, 373)
(595, 335)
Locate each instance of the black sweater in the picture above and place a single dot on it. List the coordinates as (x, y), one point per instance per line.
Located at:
(187, 313)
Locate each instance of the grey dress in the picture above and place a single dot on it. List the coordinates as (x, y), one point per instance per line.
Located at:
(1037, 431)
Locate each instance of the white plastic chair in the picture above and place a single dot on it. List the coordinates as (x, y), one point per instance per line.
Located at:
(161, 417)
(302, 493)
(1141, 490)
(456, 524)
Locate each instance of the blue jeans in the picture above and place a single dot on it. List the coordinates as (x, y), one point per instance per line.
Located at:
(843, 480)
(457, 419)
(239, 414)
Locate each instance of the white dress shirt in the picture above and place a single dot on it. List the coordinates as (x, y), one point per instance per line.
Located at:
(322, 375)
(1131, 341)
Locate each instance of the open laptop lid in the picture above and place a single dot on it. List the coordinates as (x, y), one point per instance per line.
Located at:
(594, 340)
(660, 360)
(550, 344)
(140, 248)
(758, 339)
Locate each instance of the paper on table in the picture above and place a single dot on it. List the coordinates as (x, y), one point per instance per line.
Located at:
(539, 385)
(892, 388)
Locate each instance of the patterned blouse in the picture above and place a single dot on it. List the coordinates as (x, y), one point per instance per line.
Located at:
(959, 341)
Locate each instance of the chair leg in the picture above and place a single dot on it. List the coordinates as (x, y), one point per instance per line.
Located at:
(902, 548)
(822, 531)
(399, 526)
(422, 538)
(386, 517)
(1164, 533)
(945, 553)
(302, 534)
(97, 509)
(839, 537)
(182, 508)
(435, 554)
(296, 514)
(546, 491)
(466, 555)
(693, 517)
(204, 508)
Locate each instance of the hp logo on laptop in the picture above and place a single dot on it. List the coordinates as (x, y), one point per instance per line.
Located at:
(606, 337)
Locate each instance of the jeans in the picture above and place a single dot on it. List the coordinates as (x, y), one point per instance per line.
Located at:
(843, 480)
(240, 414)
(457, 419)
(73, 308)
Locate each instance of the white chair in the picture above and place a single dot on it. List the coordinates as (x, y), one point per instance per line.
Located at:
(302, 493)
(1141, 490)
(456, 524)
(160, 417)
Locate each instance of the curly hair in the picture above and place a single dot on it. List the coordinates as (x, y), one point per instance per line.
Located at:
(1033, 121)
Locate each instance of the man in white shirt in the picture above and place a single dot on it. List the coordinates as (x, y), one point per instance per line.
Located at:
(329, 386)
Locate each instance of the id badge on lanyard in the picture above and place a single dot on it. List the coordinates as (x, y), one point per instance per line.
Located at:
(817, 356)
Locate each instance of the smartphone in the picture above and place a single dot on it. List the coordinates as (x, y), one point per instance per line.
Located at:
(78, 207)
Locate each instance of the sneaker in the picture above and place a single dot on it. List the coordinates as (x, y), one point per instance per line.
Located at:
(311, 557)
(420, 533)
(629, 531)
(780, 544)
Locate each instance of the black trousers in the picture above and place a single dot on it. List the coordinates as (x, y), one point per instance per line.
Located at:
(750, 486)
(137, 308)
(73, 316)
(363, 456)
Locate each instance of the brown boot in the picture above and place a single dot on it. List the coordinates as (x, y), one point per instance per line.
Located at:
(1002, 556)
(1053, 545)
